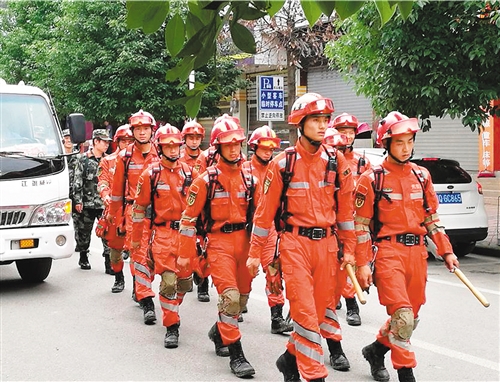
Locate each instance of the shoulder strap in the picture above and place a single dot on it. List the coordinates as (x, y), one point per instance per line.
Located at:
(282, 214)
(378, 184)
(128, 157)
(155, 176)
(422, 180)
(246, 173)
(188, 177)
(211, 186)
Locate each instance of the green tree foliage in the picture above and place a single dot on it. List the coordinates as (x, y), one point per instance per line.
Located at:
(192, 38)
(92, 63)
(443, 60)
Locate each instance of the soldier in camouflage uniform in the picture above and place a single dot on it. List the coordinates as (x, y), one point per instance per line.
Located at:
(72, 159)
(88, 202)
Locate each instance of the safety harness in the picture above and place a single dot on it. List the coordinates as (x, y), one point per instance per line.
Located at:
(155, 177)
(378, 189)
(205, 225)
(282, 214)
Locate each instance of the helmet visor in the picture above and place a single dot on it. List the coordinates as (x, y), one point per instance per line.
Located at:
(231, 136)
(269, 143)
(319, 106)
(403, 127)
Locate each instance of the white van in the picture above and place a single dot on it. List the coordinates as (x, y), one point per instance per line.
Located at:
(35, 210)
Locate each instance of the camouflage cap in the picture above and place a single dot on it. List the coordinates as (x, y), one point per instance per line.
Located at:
(101, 134)
(65, 132)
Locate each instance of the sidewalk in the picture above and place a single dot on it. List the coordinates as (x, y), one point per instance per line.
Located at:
(491, 190)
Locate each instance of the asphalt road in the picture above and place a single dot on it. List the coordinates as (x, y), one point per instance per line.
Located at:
(71, 327)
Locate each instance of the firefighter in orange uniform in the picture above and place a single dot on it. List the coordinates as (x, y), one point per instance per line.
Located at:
(193, 134)
(164, 186)
(223, 195)
(130, 164)
(263, 142)
(396, 206)
(123, 137)
(300, 183)
(348, 125)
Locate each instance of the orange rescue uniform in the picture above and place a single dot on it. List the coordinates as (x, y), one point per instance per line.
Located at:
(401, 259)
(308, 245)
(169, 202)
(130, 164)
(228, 240)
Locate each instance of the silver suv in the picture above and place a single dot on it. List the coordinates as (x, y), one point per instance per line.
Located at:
(461, 201)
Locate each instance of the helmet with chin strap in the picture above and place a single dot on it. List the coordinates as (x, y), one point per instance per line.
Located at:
(334, 138)
(310, 104)
(263, 136)
(123, 132)
(141, 118)
(395, 124)
(193, 127)
(168, 135)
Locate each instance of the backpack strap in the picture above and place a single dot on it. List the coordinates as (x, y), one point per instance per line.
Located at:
(212, 184)
(378, 187)
(129, 150)
(248, 181)
(282, 213)
(423, 181)
(188, 177)
(154, 178)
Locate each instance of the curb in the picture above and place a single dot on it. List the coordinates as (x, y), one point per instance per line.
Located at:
(487, 250)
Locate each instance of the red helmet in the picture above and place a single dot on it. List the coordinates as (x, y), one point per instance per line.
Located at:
(310, 104)
(168, 135)
(363, 128)
(395, 124)
(193, 127)
(226, 116)
(345, 120)
(334, 138)
(123, 132)
(141, 118)
(226, 131)
(264, 136)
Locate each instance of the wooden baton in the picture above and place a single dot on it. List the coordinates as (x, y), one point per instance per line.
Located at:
(472, 288)
(357, 287)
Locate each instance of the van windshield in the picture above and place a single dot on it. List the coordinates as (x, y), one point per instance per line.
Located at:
(27, 126)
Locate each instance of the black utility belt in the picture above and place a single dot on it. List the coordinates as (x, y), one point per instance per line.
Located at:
(173, 224)
(231, 227)
(408, 239)
(313, 233)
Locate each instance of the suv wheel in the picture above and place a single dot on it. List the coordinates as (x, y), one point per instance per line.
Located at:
(462, 249)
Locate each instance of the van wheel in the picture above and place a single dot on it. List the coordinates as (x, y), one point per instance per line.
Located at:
(34, 270)
(462, 249)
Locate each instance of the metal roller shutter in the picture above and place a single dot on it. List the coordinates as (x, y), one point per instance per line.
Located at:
(330, 84)
(448, 138)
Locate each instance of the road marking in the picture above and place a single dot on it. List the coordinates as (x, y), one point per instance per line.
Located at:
(484, 290)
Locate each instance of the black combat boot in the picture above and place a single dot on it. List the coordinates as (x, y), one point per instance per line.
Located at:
(374, 354)
(107, 265)
(203, 295)
(172, 336)
(84, 260)
(119, 284)
(238, 363)
(406, 375)
(278, 324)
(352, 314)
(338, 360)
(287, 364)
(148, 307)
(214, 335)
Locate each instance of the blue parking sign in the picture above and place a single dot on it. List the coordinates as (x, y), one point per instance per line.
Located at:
(271, 96)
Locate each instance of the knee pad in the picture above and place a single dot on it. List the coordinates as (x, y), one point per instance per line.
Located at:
(115, 256)
(243, 302)
(184, 284)
(402, 323)
(229, 302)
(168, 284)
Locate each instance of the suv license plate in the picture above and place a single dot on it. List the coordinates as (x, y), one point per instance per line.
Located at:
(449, 197)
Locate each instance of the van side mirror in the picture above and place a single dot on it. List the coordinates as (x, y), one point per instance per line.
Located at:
(76, 125)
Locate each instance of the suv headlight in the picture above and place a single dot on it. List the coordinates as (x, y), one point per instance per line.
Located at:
(54, 213)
